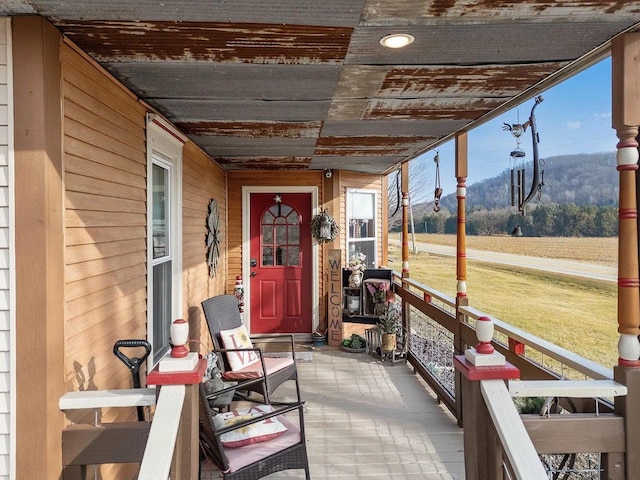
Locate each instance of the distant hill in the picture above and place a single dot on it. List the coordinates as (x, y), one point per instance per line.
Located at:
(586, 179)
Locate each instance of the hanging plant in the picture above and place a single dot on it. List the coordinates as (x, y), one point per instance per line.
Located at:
(324, 228)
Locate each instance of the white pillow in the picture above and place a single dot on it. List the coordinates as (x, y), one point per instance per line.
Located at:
(238, 338)
(257, 432)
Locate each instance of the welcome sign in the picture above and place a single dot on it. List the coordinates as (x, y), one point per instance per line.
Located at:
(334, 297)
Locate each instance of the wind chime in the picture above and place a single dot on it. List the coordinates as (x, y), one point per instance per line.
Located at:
(518, 181)
(437, 193)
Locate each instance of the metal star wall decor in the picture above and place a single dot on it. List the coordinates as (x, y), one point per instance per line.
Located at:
(213, 237)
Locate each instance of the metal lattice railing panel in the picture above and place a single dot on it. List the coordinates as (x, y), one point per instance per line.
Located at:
(432, 346)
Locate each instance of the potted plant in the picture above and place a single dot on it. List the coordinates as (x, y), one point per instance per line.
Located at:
(388, 326)
(318, 337)
(356, 343)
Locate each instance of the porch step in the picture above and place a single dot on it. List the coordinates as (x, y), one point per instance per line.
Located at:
(566, 388)
(126, 397)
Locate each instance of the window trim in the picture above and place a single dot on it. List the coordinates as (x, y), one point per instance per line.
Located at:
(376, 221)
(164, 147)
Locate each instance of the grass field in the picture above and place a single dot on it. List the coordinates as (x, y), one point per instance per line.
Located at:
(579, 315)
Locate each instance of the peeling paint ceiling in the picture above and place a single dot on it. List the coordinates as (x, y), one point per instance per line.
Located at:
(296, 85)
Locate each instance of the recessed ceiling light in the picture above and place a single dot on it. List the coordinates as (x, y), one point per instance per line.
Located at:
(397, 40)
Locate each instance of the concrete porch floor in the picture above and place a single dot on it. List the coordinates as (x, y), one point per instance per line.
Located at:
(367, 419)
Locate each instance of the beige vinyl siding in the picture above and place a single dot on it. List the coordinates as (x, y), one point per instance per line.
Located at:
(105, 230)
(5, 260)
(105, 167)
(202, 180)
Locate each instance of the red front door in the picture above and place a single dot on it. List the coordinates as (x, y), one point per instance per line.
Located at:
(280, 263)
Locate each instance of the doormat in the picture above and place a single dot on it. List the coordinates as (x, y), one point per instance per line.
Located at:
(301, 357)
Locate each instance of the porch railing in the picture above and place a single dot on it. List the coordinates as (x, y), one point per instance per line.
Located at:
(438, 332)
(152, 444)
(522, 461)
(158, 454)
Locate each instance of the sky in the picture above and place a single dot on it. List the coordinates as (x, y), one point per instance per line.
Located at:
(575, 117)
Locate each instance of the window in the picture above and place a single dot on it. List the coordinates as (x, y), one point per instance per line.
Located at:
(164, 232)
(280, 245)
(361, 225)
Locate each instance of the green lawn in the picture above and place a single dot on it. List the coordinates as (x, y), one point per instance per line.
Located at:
(579, 315)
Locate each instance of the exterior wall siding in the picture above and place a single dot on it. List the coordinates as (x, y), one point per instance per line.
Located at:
(105, 216)
(202, 180)
(7, 422)
(105, 230)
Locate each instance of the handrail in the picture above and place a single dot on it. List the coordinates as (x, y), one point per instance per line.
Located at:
(434, 294)
(158, 454)
(128, 397)
(580, 364)
(517, 445)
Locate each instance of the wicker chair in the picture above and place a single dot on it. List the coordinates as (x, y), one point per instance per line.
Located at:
(233, 462)
(222, 313)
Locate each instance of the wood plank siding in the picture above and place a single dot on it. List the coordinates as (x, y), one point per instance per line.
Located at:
(105, 195)
(202, 180)
(105, 231)
(6, 254)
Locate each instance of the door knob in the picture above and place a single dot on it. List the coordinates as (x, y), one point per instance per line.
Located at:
(253, 274)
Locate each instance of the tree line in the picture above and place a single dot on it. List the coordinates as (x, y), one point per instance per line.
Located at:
(549, 220)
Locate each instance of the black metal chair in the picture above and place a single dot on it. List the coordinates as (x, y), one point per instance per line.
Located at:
(257, 460)
(222, 313)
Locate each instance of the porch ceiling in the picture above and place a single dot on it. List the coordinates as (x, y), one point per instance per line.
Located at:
(296, 84)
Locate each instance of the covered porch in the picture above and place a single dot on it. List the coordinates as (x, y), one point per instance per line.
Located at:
(120, 119)
(367, 419)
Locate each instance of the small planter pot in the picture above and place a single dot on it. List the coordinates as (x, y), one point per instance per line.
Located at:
(388, 342)
(354, 350)
(318, 340)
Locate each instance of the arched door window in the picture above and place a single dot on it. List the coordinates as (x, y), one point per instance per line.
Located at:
(280, 243)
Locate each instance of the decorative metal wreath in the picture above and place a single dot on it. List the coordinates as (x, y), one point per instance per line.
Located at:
(324, 227)
(213, 237)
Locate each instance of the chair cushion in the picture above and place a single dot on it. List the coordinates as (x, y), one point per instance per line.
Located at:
(241, 457)
(238, 338)
(255, 433)
(272, 364)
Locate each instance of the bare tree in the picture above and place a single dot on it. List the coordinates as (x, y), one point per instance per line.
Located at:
(421, 187)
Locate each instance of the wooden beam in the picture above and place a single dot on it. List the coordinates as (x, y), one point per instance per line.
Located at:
(106, 443)
(576, 433)
(625, 53)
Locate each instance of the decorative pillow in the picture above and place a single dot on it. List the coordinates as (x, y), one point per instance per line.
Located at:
(254, 433)
(238, 338)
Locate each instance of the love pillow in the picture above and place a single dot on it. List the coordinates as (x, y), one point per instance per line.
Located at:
(238, 338)
(254, 433)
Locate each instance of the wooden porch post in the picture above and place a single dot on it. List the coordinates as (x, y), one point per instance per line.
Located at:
(39, 238)
(625, 52)
(405, 218)
(461, 258)
(461, 193)
(626, 118)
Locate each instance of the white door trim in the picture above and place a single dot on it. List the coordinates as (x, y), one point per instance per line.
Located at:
(246, 268)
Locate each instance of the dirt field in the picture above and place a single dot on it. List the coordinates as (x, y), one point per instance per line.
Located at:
(603, 251)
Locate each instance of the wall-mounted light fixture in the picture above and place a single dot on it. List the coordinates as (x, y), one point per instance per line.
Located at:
(397, 40)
